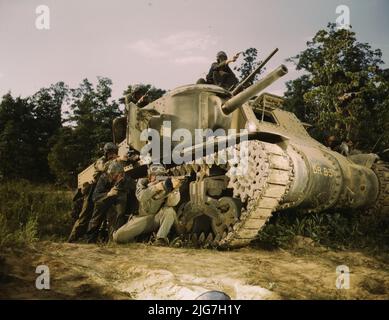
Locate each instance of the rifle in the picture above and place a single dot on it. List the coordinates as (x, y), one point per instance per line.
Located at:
(145, 95)
(164, 178)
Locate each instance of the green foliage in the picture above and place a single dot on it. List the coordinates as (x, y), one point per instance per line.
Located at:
(89, 126)
(343, 92)
(26, 126)
(348, 229)
(16, 138)
(30, 212)
(151, 92)
(250, 62)
(39, 142)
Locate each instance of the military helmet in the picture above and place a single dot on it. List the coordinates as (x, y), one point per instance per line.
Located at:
(109, 147)
(221, 54)
(115, 168)
(213, 295)
(157, 170)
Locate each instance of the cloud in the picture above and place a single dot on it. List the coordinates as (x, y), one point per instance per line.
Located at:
(188, 41)
(182, 47)
(191, 60)
(1, 75)
(148, 48)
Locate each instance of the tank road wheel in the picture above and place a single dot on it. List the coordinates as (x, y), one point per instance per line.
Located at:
(229, 212)
(268, 177)
(232, 222)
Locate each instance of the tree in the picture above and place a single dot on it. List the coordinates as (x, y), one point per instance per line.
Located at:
(344, 91)
(26, 125)
(47, 106)
(153, 93)
(89, 126)
(250, 62)
(16, 138)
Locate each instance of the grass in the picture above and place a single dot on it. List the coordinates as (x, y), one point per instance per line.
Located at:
(334, 229)
(30, 212)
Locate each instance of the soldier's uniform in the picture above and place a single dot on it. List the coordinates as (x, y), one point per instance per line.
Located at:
(156, 212)
(83, 202)
(106, 206)
(119, 124)
(220, 73)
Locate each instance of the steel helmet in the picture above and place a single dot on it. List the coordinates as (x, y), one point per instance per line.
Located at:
(221, 54)
(109, 147)
(213, 295)
(114, 168)
(157, 170)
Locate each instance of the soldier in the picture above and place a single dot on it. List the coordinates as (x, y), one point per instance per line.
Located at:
(110, 200)
(136, 96)
(83, 198)
(220, 73)
(119, 124)
(156, 210)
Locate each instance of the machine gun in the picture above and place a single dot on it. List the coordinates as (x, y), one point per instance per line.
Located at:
(251, 76)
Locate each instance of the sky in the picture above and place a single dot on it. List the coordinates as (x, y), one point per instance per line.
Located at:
(167, 43)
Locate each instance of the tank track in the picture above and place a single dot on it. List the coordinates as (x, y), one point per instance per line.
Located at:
(381, 206)
(262, 188)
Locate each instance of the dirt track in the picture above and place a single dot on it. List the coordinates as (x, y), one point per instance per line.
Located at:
(139, 271)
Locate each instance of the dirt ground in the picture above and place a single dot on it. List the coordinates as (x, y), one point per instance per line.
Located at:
(140, 271)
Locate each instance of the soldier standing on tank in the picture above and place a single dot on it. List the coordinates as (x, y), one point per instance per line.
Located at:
(83, 203)
(119, 124)
(220, 73)
(137, 97)
(110, 200)
(155, 212)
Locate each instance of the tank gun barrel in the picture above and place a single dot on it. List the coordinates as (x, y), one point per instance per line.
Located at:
(236, 101)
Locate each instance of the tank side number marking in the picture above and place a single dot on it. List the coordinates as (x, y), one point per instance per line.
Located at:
(324, 171)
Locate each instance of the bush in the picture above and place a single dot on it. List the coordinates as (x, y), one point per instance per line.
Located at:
(30, 212)
(347, 229)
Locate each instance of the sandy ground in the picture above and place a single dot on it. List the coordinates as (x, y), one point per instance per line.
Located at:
(140, 271)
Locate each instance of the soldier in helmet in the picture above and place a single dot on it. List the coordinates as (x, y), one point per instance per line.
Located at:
(140, 99)
(220, 73)
(83, 203)
(157, 194)
(110, 200)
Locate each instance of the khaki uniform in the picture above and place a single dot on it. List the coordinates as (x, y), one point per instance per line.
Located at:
(86, 202)
(220, 74)
(110, 208)
(155, 212)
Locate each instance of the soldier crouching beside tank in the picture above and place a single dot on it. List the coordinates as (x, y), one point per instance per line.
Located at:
(157, 195)
(83, 203)
(110, 200)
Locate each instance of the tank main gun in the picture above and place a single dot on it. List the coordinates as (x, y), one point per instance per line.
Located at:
(233, 103)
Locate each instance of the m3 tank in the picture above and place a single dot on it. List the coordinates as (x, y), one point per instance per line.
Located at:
(284, 167)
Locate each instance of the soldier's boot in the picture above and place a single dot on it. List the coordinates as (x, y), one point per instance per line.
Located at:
(161, 242)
